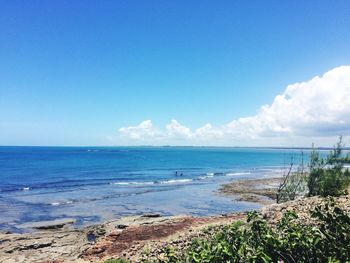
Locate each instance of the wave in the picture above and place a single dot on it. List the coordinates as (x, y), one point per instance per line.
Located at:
(123, 180)
(241, 173)
(74, 184)
(176, 181)
(132, 183)
(61, 203)
(206, 176)
(154, 182)
(180, 181)
(87, 199)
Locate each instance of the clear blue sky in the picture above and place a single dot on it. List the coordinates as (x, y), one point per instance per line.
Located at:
(74, 72)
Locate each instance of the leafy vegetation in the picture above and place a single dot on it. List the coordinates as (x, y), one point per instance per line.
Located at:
(289, 241)
(327, 176)
(293, 183)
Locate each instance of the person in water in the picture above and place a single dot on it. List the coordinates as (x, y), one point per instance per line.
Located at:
(177, 174)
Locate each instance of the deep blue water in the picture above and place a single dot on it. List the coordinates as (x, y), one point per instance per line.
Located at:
(94, 184)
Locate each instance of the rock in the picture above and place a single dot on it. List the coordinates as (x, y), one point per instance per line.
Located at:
(100, 231)
(151, 215)
(47, 225)
(46, 246)
(121, 226)
(91, 237)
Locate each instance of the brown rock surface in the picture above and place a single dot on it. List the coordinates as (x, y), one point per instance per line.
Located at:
(91, 244)
(133, 241)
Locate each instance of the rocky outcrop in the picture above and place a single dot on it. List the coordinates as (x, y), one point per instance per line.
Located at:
(47, 225)
(125, 237)
(42, 246)
(261, 191)
(132, 242)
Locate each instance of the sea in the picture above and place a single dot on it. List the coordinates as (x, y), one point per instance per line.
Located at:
(95, 184)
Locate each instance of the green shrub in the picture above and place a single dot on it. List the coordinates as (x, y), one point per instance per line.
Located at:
(289, 241)
(327, 176)
(293, 183)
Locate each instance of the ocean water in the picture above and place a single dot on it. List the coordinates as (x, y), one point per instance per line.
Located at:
(94, 184)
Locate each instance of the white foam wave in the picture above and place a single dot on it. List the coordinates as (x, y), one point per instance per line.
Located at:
(133, 183)
(26, 188)
(61, 203)
(271, 168)
(176, 181)
(205, 177)
(155, 182)
(234, 174)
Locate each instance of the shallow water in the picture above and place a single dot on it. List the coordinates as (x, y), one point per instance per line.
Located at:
(94, 184)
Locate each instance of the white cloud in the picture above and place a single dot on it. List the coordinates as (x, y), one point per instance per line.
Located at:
(208, 131)
(319, 107)
(175, 129)
(144, 130)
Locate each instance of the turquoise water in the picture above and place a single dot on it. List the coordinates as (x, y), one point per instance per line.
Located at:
(94, 184)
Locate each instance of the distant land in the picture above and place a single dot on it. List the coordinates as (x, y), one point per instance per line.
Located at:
(321, 148)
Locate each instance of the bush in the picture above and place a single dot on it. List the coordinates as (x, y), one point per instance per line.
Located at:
(289, 241)
(327, 176)
(326, 240)
(293, 182)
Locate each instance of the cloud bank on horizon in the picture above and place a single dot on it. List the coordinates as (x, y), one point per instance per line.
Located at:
(318, 109)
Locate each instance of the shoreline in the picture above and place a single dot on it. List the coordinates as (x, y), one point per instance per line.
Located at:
(137, 238)
(60, 240)
(242, 190)
(124, 237)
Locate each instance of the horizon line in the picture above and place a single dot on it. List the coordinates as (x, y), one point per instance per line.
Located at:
(178, 146)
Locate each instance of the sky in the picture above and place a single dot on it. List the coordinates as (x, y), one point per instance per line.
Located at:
(215, 73)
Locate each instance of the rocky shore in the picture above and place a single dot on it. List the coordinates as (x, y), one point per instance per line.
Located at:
(142, 237)
(261, 191)
(128, 237)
